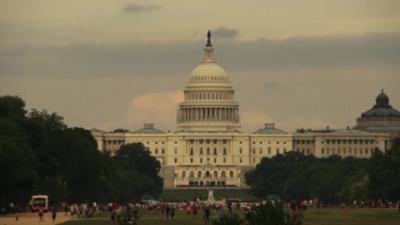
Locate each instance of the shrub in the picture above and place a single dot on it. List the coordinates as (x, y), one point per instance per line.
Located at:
(272, 213)
(227, 219)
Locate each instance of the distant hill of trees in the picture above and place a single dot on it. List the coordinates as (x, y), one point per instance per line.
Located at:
(294, 176)
(39, 154)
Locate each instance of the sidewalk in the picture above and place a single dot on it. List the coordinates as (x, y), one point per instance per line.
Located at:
(33, 219)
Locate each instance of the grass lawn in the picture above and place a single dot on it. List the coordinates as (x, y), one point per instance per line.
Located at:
(311, 217)
(352, 216)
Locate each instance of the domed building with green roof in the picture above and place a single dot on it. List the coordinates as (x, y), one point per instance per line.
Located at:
(382, 117)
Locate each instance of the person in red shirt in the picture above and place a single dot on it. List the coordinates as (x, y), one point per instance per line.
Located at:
(41, 213)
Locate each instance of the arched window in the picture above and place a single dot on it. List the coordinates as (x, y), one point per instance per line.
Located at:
(207, 173)
(201, 151)
(199, 174)
(183, 174)
(231, 174)
(215, 151)
(223, 174)
(215, 174)
(224, 151)
(191, 174)
(208, 151)
(191, 151)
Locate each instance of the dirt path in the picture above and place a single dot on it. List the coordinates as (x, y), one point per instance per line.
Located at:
(32, 219)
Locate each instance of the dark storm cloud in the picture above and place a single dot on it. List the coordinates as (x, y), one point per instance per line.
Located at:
(154, 59)
(224, 32)
(136, 8)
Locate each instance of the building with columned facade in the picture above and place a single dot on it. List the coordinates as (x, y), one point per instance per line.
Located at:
(208, 148)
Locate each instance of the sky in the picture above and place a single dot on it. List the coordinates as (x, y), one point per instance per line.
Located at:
(111, 64)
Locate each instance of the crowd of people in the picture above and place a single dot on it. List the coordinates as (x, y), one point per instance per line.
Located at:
(206, 210)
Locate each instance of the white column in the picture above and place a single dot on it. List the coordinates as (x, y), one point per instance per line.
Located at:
(225, 114)
(213, 114)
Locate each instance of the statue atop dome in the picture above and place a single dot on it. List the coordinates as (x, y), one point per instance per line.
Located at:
(209, 39)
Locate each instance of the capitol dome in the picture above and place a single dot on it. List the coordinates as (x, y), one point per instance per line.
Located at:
(208, 98)
(208, 72)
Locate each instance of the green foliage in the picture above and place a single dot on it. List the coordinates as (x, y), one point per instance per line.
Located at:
(136, 173)
(296, 176)
(39, 154)
(227, 219)
(17, 158)
(384, 174)
(332, 179)
(272, 213)
(12, 107)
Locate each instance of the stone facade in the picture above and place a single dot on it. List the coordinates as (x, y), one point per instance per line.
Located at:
(345, 142)
(202, 158)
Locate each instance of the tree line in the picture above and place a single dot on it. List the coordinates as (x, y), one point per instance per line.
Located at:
(295, 176)
(40, 154)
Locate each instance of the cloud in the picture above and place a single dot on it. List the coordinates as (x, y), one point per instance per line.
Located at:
(154, 107)
(136, 8)
(287, 80)
(140, 58)
(224, 32)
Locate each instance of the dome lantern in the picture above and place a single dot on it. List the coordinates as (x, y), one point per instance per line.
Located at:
(382, 100)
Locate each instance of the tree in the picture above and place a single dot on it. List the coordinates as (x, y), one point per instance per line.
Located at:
(17, 159)
(40, 154)
(383, 170)
(297, 176)
(137, 172)
(12, 107)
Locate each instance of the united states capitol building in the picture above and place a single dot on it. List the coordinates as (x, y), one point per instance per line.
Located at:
(208, 148)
